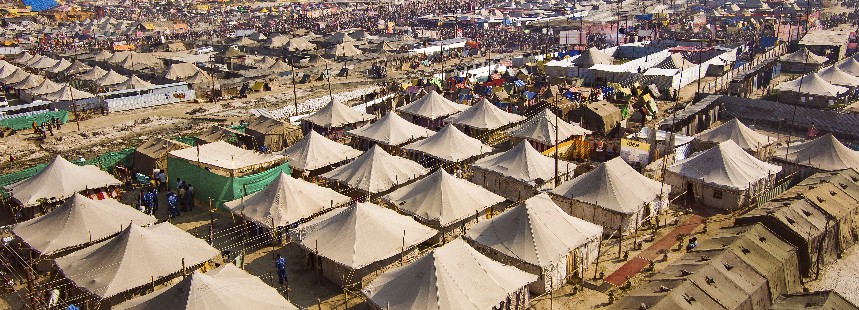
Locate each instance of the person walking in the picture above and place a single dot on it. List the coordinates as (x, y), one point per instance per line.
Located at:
(280, 264)
(172, 205)
(189, 197)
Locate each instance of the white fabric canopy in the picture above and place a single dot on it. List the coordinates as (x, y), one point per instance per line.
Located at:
(78, 221)
(613, 185)
(432, 106)
(836, 76)
(536, 231)
(334, 115)
(362, 234)
(315, 151)
(227, 287)
(524, 163)
(391, 129)
(451, 145)
(224, 155)
(738, 132)
(849, 65)
(726, 165)
(452, 277)
(442, 199)
(285, 201)
(133, 258)
(111, 78)
(825, 153)
(68, 93)
(60, 179)
(92, 74)
(541, 128)
(484, 115)
(376, 171)
(803, 55)
(812, 84)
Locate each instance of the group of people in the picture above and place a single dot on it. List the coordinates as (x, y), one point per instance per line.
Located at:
(182, 199)
(44, 128)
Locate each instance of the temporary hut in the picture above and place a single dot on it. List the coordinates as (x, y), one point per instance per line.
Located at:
(46, 87)
(226, 287)
(540, 131)
(746, 138)
(59, 180)
(314, 152)
(343, 50)
(299, 44)
(339, 38)
(286, 201)
(520, 172)
(276, 41)
(152, 154)
(801, 61)
(109, 80)
(724, 177)
(32, 80)
(810, 90)
(356, 244)
(15, 77)
(181, 71)
(482, 119)
(102, 55)
(431, 110)
(61, 65)
(375, 171)
(334, 119)
(77, 67)
(444, 202)
(223, 172)
(92, 74)
(449, 148)
(272, 134)
(459, 278)
(43, 63)
(221, 133)
(115, 270)
(613, 195)
(77, 223)
(825, 153)
(133, 82)
(599, 116)
(849, 66)
(390, 132)
(836, 76)
(592, 56)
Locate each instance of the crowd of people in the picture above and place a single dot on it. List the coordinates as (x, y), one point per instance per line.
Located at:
(180, 199)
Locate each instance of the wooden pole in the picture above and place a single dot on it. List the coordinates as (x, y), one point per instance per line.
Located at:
(619, 240)
(34, 303)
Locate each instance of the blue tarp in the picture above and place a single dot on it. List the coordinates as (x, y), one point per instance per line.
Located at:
(40, 5)
(767, 41)
(644, 17)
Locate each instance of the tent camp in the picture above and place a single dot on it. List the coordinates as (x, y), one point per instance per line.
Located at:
(133, 82)
(461, 279)
(389, 132)
(286, 201)
(356, 243)
(114, 270)
(46, 87)
(540, 132)
(592, 56)
(315, 152)
(447, 147)
(825, 153)
(343, 50)
(801, 61)
(810, 90)
(375, 171)
(299, 44)
(152, 154)
(77, 223)
(108, 80)
(274, 135)
(746, 138)
(613, 195)
(92, 74)
(538, 237)
(61, 65)
(849, 66)
(64, 97)
(223, 172)
(482, 118)
(77, 67)
(838, 77)
(339, 38)
(334, 119)
(181, 71)
(520, 172)
(723, 177)
(226, 287)
(431, 110)
(444, 202)
(59, 180)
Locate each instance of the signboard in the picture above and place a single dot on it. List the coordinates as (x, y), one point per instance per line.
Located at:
(634, 151)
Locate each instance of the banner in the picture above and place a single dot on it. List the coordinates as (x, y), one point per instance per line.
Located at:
(634, 151)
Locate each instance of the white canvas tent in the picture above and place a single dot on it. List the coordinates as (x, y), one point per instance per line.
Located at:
(613, 195)
(724, 176)
(357, 241)
(59, 180)
(181, 71)
(541, 129)
(133, 258)
(484, 115)
(444, 202)
(92, 74)
(391, 130)
(432, 107)
(838, 77)
(315, 151)
(734, 130)
(552, 244)
(449, 145)
(452, 277)
(519, 173)
(811, 90)
(225, 159)
(376, 171)
(336, 115)
(78, 222)
(849, 66)
(226, 287)
(825, 153)
(286, 201)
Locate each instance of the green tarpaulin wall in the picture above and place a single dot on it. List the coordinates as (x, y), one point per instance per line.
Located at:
(109, 160)
(189, 140)
(25, 122)
(219, 188)
(18, 176)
